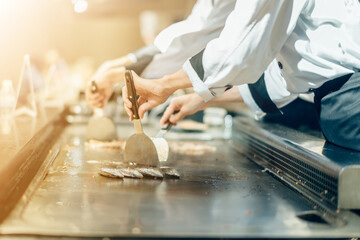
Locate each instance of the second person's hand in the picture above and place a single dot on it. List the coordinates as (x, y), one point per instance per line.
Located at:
(105, 83)
(182, 106)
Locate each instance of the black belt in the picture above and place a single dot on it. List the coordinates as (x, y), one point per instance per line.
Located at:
(331, 86)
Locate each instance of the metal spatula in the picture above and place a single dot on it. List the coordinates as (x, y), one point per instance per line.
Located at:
(100, 127)
(139, 148)
(162, 146)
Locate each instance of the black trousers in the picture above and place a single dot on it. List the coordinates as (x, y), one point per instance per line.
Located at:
(337, 110)
(337, 105)
(299, 115)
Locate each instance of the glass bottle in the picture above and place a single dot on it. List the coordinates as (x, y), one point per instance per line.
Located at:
(7, 99)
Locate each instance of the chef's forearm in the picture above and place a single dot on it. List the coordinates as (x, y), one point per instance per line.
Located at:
(231, 95)
(175, 81)
(123, 61)
(142, 58)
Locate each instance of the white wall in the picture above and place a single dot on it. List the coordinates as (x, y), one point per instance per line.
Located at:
(36, 26)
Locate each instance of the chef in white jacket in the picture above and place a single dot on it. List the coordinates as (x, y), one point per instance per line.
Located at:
(169, 51)
(316, 45)
(174, 45)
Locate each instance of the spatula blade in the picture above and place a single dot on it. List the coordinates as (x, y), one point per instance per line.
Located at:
(162, 148)
(140, 149)
(101, 128)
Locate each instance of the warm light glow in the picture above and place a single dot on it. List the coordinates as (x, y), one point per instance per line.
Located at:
(80, 6)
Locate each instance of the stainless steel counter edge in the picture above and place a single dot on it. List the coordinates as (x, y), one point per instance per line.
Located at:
(322, 169)
(18, 174)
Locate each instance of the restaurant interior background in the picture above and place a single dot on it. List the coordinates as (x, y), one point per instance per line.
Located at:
(232, 176)
(80, 33)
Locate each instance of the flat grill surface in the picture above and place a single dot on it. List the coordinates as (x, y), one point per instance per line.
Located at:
(220, 194)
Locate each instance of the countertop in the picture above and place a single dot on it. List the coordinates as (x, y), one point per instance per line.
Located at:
(23, 141)
(16, 132)
(220, 194)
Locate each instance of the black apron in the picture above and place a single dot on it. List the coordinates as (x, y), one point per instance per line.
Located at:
(337, 105)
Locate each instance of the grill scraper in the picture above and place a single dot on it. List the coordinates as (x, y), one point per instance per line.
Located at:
(100, 127)
(139, 148)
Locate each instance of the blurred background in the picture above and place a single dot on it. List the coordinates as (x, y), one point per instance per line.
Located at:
(80, 32)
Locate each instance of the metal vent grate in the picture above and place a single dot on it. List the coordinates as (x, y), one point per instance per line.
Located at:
(303, 176)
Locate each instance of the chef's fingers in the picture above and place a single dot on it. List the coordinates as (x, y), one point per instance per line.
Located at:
(127, 102)
(146, 106)
(98, 102)
(125, 98)
(96, 97)
(141, 101)
(167, 114)
(129, 112)
(90, 96)
(177, 117)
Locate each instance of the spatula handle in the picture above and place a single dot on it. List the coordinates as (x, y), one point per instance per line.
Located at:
(167, 126)
(131, 93)
(94, 88)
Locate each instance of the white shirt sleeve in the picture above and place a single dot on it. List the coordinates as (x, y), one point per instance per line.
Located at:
(253, 34)
(184, 39)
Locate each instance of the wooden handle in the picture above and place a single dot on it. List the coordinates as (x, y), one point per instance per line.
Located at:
(94, 86)
(97, 111)
(131, 93)
(167, 126)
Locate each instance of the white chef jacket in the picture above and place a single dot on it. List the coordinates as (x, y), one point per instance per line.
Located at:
(184, 39)
(276, 89)
(313, 41)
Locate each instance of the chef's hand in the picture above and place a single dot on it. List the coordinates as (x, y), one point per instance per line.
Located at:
(152, 93)
(182, 106)
(104, 78)
(105, 83)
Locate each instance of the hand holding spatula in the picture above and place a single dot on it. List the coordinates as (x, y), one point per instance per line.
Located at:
(139, 148)
(100, 127)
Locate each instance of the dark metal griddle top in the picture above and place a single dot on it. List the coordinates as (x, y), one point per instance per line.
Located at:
(220, 194)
